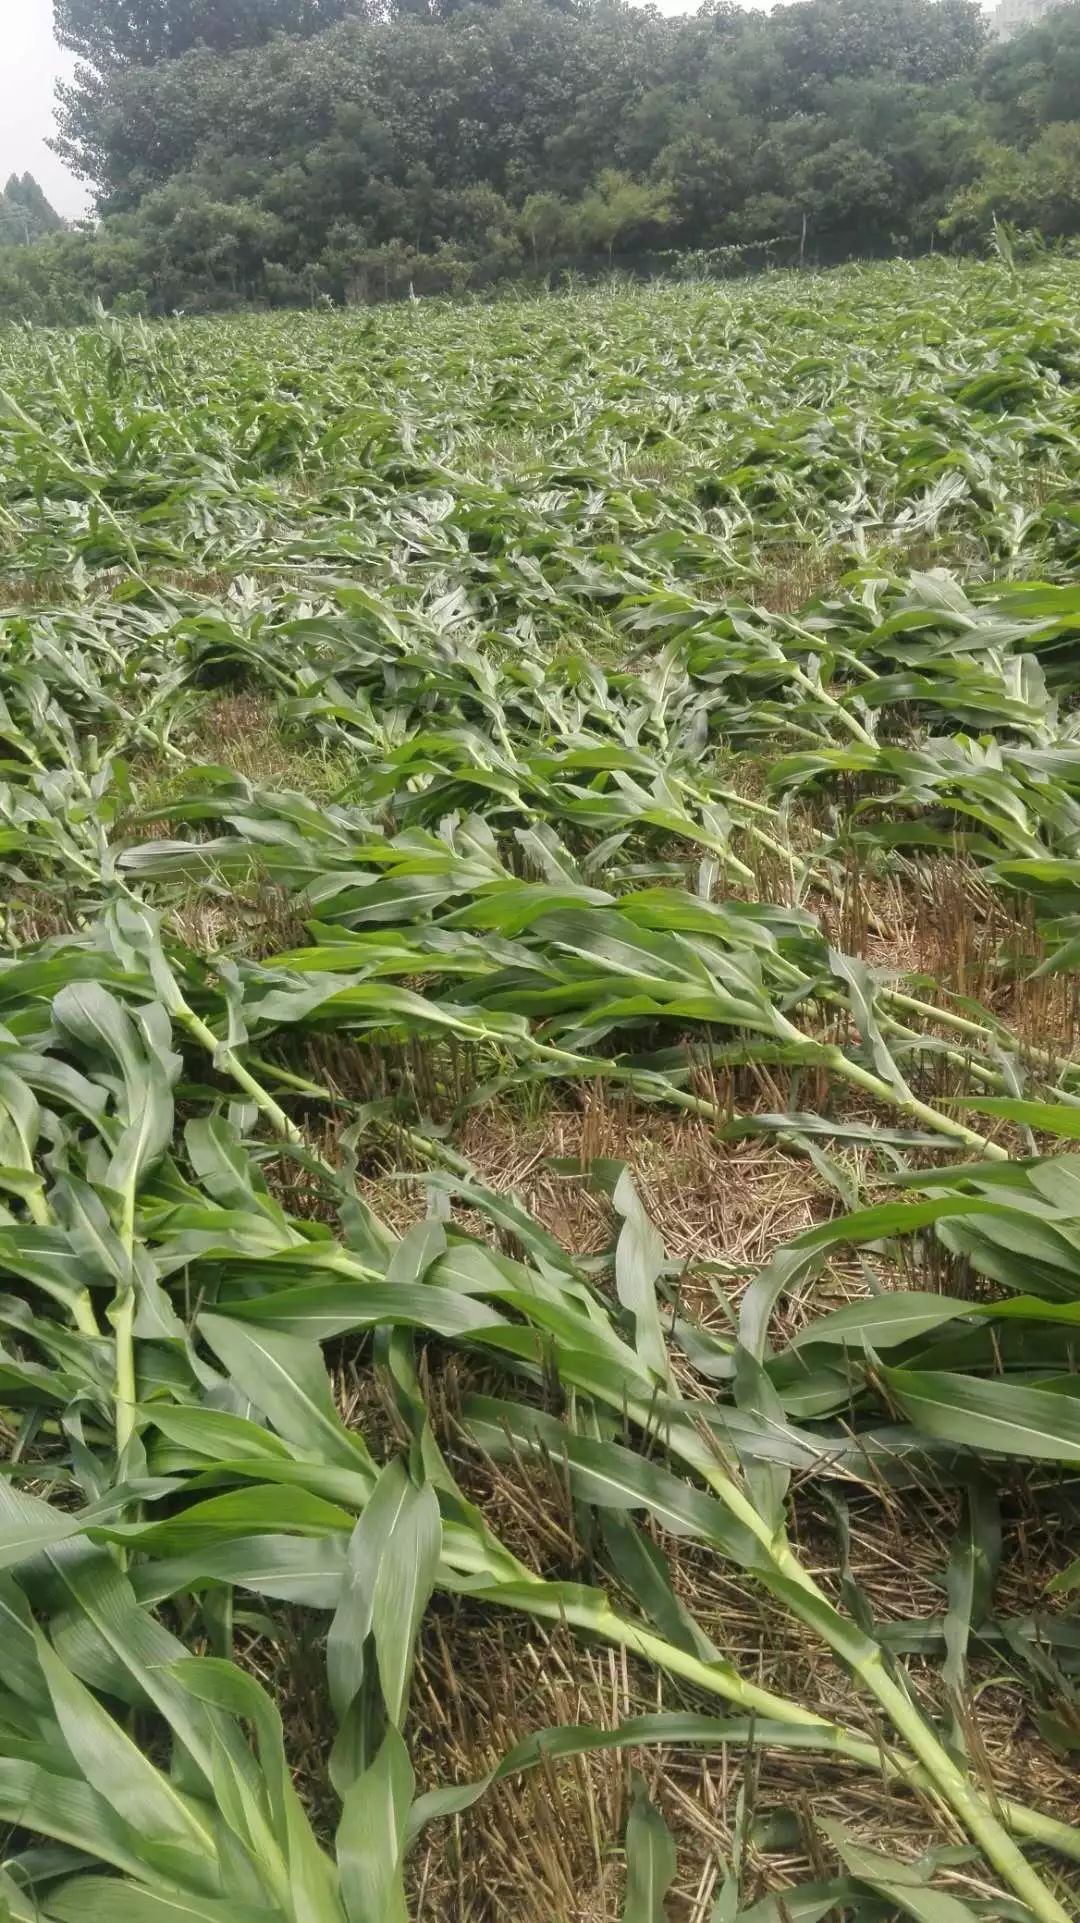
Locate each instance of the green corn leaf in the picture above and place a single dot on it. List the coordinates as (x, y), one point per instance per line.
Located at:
(403, 1586)
(805, 1903)
(371, 1836)
(17, 1905)
(226, 1172)
(95, 1899)
(1050, 1118)
(283, 1376)
(105, 1634)
(674, 1728)
(50, 1259)
(904, 1886)
(884, 1321)
(974, 1559)
(639, 1259)
(28, 1525)
(116, 1768)
(322, 1311)
(286, 1851)
(304, 1570)
(642, 1568)
(611, 1476)
(999, 1418)
(216, 1434)
(862, 996)
(766, 1479)
(252, 1511)
(393, 1558)
(650, 1862)
(94, 1019)
(57, 1804)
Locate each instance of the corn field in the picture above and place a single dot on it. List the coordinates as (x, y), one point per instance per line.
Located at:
(491, 798)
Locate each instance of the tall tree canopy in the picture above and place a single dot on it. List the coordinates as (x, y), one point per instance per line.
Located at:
(25, 213)
(112, 34)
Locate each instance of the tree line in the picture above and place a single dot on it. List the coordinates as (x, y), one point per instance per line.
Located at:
(303, 150)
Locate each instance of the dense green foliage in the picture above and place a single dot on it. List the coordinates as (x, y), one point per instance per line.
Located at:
(283, 150)
(111, 35)
(25, 213)
(505, 578)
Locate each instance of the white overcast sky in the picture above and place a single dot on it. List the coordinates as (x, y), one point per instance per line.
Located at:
(31, 62)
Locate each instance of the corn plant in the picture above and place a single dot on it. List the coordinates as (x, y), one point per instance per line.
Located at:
(515, 700)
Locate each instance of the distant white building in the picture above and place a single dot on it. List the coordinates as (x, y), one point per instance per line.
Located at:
(1009, 16)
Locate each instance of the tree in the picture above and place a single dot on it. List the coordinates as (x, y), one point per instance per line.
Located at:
(113, 37)
(617, 207)
(844, 189)
(920, 40)
(1034, 78)
(707, 181)
(544, 223)
(1038, 188)
(25, 213)
(111, 34)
